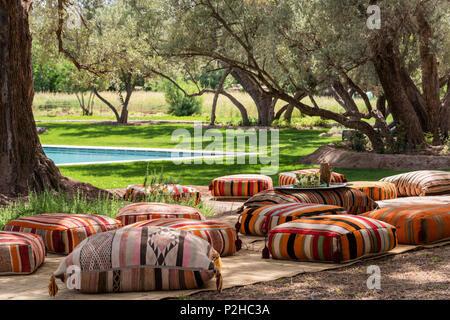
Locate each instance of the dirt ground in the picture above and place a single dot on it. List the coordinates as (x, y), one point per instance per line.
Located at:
(416, 275)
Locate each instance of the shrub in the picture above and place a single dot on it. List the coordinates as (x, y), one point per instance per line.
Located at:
(179, 104)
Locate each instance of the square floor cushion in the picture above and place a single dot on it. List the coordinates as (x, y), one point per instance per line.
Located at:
(260, 220)
(421, 183)
(352, 200)
(239, 185)
(376, 190)
(139, 259)
(142, 211)
(221, 236)
(290, 177)
(20, 253)
(330, 238)
(62, 232)
(137, 192)
(417, 223)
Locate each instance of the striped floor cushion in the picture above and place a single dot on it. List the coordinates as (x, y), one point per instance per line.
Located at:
(62, 232)
(260, 220)
(142, 211)
(376, 190)
(20, 253)
(421, 183)
(139, 259)
(418, 223)
(220, 235)
(330, 238)
(240, 185)
(137, 192)
(352, 200)
(286, 178)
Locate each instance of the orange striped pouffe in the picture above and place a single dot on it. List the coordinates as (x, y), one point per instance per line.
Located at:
(240, 185)
(287, 178)
(221, 236)
(20, 253)
(330, 238)
(142, 211)
(376, 190)
(137, 192)
(260, 220)
(418, 223)
(62, 232)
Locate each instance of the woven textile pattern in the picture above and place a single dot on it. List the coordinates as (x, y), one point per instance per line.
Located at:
(376, 190)
(240, 185)
(137, 192)
(20, 253)
(286, 178)
(421, 183)
(416, 224)
(331, 238)
(352, 200)
(141, 259)
(259, 221)
(221, 236)
(62, 232)
(136, 212)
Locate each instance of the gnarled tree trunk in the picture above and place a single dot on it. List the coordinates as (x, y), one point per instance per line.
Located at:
(23, 163)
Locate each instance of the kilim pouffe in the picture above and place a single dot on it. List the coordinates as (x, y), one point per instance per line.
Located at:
(352, 200)
(20, 253)
(421, 183)
(286, 178)
(376, 190)
(142, 211)
(62, 232)
(139, 259)
(416, 224)
(221, 236)
(240, 185)
(260, 220)
(137, 192)
(330, 239)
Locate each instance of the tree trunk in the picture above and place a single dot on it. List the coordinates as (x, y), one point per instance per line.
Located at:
(430, 76)
(388, 70)
(216, 95)
(23, 163)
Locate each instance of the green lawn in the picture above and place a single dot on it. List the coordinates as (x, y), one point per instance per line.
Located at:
(293, 145)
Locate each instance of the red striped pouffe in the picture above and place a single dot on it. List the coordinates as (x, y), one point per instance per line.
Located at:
(62, 232)
(287, 178)
(142, 211)
(240, 185)
(221, 236)
(20, 253)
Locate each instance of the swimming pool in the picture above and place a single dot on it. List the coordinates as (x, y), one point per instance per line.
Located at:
(78, 155)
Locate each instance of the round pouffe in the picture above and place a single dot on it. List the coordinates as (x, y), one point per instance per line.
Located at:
(259, 221)
(416, 223)
(240, 185)
(142, 211)
(20, 253)
(286, 178)
(137, 192)
(62, 232)
(140, 259)
(377, 190)
(221, 236)
(330, 239)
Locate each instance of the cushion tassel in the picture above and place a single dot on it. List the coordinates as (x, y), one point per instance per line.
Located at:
(219, 282)
(52, 287)
(265, 251)
(421, 236)
(238, 243)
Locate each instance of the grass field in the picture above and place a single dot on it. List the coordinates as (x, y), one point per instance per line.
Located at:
(144, 104)
(293, 144)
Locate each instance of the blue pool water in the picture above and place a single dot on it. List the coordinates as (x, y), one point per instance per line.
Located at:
(65, 155)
